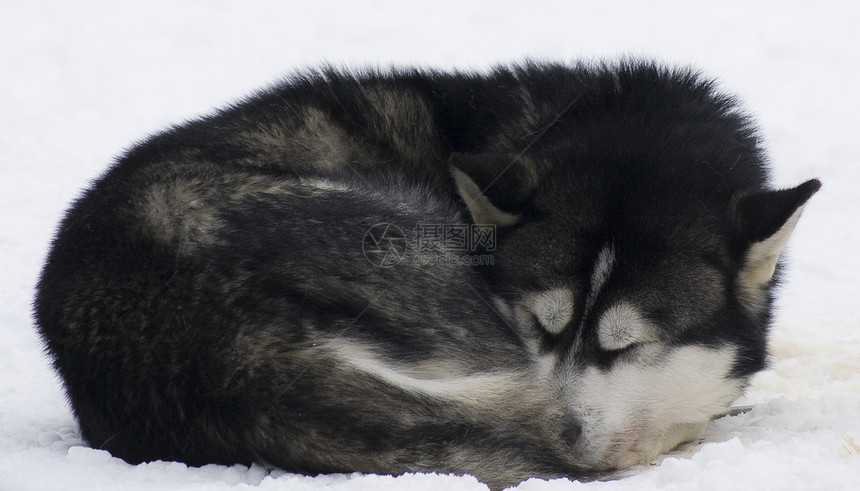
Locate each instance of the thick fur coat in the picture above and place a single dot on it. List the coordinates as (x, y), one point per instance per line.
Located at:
(254, 286)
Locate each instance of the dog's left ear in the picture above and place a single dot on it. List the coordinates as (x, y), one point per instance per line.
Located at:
(494, 186)
(765, 220)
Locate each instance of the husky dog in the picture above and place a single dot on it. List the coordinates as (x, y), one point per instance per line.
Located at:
(219, 295)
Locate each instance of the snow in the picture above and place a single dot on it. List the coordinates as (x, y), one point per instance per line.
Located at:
(83, 80)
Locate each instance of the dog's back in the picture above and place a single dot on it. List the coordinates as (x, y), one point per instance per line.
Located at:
(209, 316)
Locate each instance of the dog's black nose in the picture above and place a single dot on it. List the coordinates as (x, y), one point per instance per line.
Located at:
(572, 432)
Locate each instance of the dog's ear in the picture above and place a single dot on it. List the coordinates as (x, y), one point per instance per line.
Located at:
(494, 186)
(765, 220)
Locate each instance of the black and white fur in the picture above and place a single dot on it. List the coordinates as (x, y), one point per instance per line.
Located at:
(207, 299)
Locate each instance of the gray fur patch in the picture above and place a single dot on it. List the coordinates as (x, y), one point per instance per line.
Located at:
(177, 212)
(314, 138)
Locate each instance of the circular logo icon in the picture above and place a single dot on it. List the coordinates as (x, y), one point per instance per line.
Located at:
(384, 245)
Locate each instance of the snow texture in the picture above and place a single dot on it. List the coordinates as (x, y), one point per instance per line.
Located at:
(83, 80)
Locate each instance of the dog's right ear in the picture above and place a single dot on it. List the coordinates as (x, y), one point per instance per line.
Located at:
(494, 186)
(765, 220)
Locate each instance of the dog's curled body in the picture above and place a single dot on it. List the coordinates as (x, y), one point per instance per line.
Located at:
(209, 299)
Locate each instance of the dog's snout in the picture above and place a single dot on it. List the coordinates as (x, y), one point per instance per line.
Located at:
(571, 432)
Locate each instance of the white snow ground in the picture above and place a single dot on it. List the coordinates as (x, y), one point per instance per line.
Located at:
(82, 80)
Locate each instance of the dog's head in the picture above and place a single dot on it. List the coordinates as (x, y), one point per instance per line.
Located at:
(644, 299)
